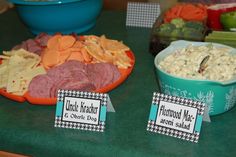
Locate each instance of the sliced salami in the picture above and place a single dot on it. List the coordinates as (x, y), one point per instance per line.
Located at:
(68, 70)
(108, 74)
(73, 66)
(57, 73)
(116, 73)
(75, 84)
(33, 46)
(102, 74)
(42, 39)
(73, 75)
(40, 86)
(72, 84)
(95, 73)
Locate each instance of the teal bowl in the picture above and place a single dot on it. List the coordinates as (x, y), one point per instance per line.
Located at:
(64, 16)
(219, 96)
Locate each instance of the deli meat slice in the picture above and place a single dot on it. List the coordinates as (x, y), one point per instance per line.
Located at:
(73, 75)
(67, 70)
(42, 39)
(75, 84)
(102, 74)
(74, 66)
(30, 45)
(34, 45)
(116, 73)
(95, 74)
(40, 86)
(71, 84)
(64, 73)
(108, 75)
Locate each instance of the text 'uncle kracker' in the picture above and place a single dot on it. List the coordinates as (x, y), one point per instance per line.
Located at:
(82, 108)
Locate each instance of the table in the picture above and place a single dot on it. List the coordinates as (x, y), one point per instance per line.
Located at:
(29, 129)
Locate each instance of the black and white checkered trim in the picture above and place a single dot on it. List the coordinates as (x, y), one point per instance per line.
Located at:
(172, 132)
(72, 125)
(151, 126)
(157, 97)
(142, 14)
(62, 93)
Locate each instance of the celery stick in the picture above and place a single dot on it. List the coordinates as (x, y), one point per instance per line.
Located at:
(229, 43)
(221, 38)
(223, 34)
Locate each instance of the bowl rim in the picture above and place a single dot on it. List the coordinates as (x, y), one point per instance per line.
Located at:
(184, 43)
(42, 2)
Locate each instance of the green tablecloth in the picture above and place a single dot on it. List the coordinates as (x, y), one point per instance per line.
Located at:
(29, 129)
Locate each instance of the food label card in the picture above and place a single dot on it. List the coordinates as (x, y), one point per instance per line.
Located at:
(142, 14)
(175, 116)
(82, 110)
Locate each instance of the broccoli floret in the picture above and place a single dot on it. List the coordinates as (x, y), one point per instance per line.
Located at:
(165, 29)
(178, 22)
(167, 26)
(177, 33)
(191, 33)
(195, 25)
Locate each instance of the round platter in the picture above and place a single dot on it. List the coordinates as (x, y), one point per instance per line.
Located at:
(52, 101)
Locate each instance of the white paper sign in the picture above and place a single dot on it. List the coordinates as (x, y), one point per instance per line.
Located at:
(142, 14)
(176, 116)
(82, 110)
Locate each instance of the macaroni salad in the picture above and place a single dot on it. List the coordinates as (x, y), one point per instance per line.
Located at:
(201, 62)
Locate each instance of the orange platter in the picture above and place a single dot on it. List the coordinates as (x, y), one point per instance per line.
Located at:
(52, 101)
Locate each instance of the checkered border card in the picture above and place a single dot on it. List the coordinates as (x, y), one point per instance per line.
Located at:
(100, 126)
(142, 14)
(155, 126)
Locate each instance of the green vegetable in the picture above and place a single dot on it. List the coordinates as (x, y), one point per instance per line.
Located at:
(178, 22)
(228, 20)
(225, 34)
(165, 29)
(179, 29)
(177, 33)
(191, 33)
(195, 25)
(222, 37)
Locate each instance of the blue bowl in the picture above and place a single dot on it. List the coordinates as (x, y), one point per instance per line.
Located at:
(219, 96)
(64, 16)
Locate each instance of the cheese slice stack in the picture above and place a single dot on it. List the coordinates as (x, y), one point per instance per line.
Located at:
(18, 68)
